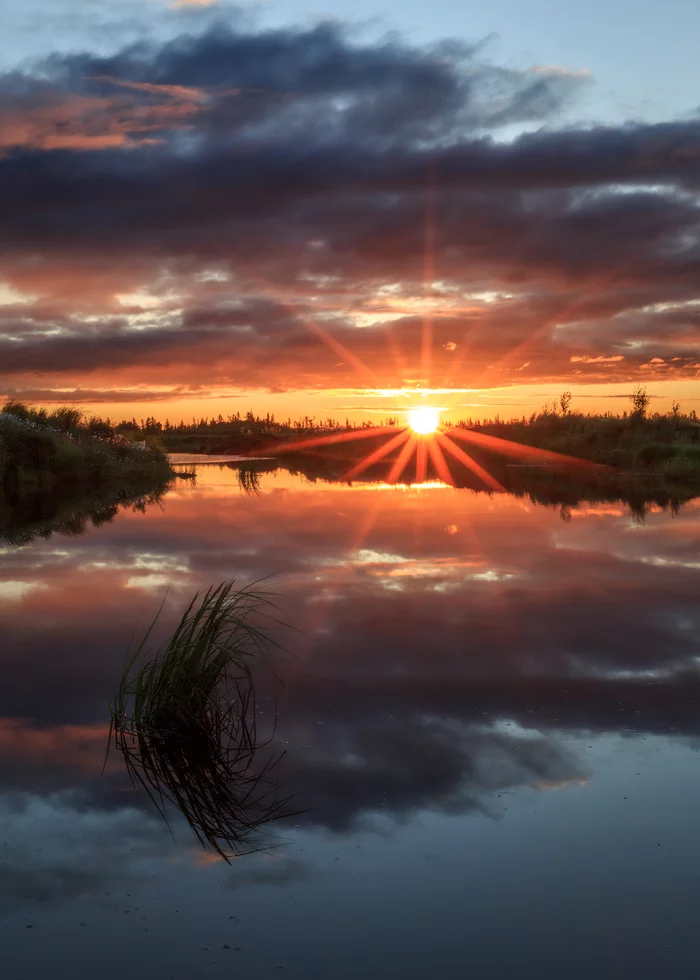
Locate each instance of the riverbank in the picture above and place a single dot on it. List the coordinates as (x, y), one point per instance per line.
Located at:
(667, 445)
(43, 453)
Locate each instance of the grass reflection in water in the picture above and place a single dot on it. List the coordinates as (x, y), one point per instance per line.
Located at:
(186, 721)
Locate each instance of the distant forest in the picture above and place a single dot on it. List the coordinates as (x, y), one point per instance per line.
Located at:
(249, 423)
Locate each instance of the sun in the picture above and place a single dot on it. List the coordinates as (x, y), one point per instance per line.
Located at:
(424, 420)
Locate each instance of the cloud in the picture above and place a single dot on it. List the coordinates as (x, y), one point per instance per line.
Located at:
(37, 115)
(567, 72)
(600, 359)
(79, 396)
(265, 193)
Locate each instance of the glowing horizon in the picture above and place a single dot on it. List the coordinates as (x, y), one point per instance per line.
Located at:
(359, 405)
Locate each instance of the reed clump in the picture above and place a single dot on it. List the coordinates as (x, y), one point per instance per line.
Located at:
(186, 721)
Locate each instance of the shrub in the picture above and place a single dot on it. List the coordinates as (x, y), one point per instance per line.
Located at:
(99, 428)
(65, 418)
(681, 467)
(655, 452)
(16, 409)
(640, 402)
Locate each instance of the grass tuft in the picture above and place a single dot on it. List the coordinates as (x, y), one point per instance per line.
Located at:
(185, 722)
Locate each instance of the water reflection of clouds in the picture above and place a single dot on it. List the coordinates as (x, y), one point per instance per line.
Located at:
(394, 696)
(14, 590)
(394, 764)
(57, 848)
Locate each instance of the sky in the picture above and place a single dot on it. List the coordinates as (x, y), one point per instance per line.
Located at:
(349, 209)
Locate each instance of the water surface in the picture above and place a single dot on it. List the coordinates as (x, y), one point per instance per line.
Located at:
(490, 718)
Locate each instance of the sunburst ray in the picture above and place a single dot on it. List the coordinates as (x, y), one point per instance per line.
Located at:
(340, 349)
(470, 463)
(402, 460)
(428, 279)
(336, 583)
(439, 462)
(302, 444)
(505, 447)
(422, 461)
(563, 314)
(378, 454)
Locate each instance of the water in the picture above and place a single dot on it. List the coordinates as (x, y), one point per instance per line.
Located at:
(490, 715)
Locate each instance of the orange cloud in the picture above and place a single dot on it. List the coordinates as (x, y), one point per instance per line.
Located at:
(600, 359)
(173, 91)
(70, 121)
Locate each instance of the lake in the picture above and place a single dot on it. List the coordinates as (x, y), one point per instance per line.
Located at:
(489, 710)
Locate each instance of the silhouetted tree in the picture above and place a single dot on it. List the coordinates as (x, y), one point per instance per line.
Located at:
(640, 402)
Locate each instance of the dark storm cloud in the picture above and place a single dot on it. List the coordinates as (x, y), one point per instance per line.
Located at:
(116, 343)
(322, 80)
(308, 161)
